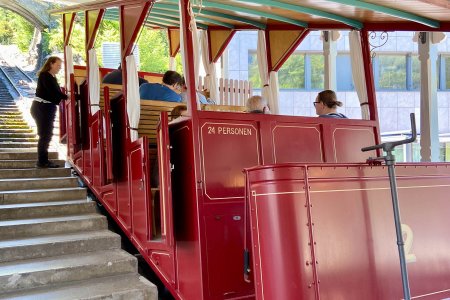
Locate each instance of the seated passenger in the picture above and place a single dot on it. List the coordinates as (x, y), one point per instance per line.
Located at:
(200, 96)
(115, 77)
(168, 90)
(326, 105)
(178, 111)
(257, 105)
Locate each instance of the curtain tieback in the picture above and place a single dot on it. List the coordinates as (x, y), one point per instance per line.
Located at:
(266, 85)
(95, 104)
(364, 103)
(132, 128)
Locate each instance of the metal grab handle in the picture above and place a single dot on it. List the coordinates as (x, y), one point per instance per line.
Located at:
(389, 146)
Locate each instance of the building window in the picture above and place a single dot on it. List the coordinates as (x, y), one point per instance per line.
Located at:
(444, 72)
(300, 71)
(344, 73)
(392, 72)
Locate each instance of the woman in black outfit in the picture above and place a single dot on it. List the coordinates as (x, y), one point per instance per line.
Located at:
(43, 109)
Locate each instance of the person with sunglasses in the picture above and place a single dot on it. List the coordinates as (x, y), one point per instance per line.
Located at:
(326, 105)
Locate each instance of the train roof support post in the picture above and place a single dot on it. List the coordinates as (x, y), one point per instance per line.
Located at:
(330, 54)
(173, 34)
(429, 129)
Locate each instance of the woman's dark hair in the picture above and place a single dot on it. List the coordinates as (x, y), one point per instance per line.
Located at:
(329, 98)
(171, 78)
(48, 64)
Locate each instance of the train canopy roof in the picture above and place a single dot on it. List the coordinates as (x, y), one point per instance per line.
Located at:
(414, 15)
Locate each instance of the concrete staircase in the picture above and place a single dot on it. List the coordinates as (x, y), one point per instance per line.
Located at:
(53, 243)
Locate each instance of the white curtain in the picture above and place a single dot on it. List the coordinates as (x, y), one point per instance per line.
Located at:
(359, 77)
(274, 92)
(133, 98)
(262, 64)
(94, 82)
(269, 81)
(172, 64)
(69, 66)
(196, 46)
(210, 68)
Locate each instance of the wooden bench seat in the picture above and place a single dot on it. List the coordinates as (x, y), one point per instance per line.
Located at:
(113, 90)
(224, 108)
(150, 112)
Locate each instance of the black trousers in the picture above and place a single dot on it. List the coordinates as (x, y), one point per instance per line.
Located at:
(44, 115)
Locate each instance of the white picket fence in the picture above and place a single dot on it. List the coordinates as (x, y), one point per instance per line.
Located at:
(231, 92)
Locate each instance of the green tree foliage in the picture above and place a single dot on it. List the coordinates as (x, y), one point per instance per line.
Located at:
(14, 29)
(154, 50)
(77, 41)
(392, 72)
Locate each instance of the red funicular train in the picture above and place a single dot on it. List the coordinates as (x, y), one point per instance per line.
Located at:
(319, 223)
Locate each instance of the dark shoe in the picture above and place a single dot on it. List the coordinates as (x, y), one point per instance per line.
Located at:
(46, 165)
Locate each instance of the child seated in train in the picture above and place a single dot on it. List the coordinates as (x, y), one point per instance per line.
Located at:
(257, 105)
(326, 105)
(168, 90)
(202, 96)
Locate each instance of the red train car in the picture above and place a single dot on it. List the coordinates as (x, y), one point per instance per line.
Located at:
(319, 228)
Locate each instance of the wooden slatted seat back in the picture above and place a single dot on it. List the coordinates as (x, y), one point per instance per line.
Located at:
(150, 111)
(153, 78)
(224, 108)
(113, 90)
(80, 75)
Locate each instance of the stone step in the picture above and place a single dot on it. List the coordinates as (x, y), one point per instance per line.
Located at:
(16, 130)
(24, 164)
(31, 149)
(58, 244)
(46, 209)
(10, 144)
(37, 183)
(8, 108)
(11, 117)
(16, 135)
(13, 229)
(17, 140)
(34, 173)
(8, 113)
(13, 126)
(123, 287)
(39, 272)
(10, 122)
(42, 195)
(26, 156)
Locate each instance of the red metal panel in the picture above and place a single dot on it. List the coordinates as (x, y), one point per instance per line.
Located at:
(108, 141)
(224, 247)
(348, 141)
(283, 267)
(97, 151)
(297, 143)
(140, 197)
(222, 162)
(165, 181)
(109, 199)
(353, 234)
